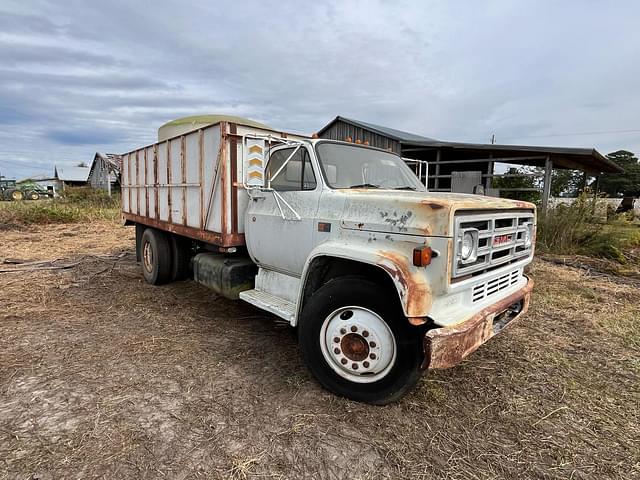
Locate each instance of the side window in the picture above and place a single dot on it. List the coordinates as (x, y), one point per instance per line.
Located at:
(297, 175)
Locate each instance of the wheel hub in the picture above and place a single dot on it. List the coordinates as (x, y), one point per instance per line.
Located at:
(354, 347)
(358, 344)
(147, 257)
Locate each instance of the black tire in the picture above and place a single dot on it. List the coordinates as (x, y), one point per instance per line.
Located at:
(156, 261)
(358, 291)
(180, 257)
(14, 195)
(33, 195)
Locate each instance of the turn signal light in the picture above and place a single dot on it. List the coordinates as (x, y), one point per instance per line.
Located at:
(422, 256)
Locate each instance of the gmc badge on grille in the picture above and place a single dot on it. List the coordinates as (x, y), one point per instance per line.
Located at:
(501, 240)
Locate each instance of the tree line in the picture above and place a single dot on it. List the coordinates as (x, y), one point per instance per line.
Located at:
(570, 182)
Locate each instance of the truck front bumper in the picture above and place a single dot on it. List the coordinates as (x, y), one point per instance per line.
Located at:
(447, 346)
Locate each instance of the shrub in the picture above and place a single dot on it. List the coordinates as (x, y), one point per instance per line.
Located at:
(573, 229)
(561, 229)
(88, 196)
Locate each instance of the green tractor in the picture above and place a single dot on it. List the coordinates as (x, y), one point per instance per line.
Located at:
(11, 191)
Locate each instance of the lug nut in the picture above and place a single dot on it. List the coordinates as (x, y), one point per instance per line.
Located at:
(372, 356)
(336, 339)
(343, 361)
(336, 351)
(366, 364)
(343, 331)
(354, 329)
(365, 334)
(354, 366)
(372, 344)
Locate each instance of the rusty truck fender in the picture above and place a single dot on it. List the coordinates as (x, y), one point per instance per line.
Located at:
(412, 286)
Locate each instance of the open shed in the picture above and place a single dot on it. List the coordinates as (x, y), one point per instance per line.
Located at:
(462, 167)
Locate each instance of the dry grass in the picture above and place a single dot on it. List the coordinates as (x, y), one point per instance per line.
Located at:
(102, 375)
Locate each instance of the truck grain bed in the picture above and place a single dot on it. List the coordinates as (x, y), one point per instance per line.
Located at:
(191, 184)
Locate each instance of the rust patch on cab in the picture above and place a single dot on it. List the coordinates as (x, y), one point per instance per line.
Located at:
(432, 205)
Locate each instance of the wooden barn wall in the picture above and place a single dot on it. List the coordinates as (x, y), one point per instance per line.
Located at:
(98, 177)
(341, 131)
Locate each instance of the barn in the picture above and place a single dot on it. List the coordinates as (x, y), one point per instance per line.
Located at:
(104, 173)
(470, 167)
(70, 176)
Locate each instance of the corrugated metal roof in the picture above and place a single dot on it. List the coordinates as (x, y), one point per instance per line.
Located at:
(563, 157)
(36, 178)
(111, 159)
(72, 174)
(389, 132)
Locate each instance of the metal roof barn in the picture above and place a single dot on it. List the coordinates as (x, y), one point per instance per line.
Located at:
(72, 174)
(453, 164)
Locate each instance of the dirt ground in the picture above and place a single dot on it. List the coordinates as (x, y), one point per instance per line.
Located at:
(104, 376)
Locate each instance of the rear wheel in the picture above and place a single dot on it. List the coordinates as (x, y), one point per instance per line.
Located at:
(15, 195)
(155, 256)
(180, 257)
(357, 343)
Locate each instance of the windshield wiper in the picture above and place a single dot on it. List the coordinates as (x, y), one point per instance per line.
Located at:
(405, 188)
(365, 185)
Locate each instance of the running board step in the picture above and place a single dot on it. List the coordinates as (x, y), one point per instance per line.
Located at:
(271, 303)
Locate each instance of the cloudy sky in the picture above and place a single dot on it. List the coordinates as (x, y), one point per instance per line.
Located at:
(78, 77)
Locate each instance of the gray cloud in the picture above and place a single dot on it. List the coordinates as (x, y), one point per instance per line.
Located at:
(76, 76)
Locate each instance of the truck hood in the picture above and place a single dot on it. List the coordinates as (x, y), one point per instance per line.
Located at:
(415, 213)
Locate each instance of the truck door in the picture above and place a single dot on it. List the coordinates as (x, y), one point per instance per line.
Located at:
(279, 224)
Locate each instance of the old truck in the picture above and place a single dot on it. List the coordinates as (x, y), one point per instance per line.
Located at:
(382, 279)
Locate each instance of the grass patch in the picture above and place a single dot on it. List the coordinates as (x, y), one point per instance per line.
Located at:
(573, 230)
(78, 205)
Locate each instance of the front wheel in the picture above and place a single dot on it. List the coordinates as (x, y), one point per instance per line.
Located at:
(357, 343)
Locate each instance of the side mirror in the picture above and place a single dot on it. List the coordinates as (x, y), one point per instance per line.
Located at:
(254, 163)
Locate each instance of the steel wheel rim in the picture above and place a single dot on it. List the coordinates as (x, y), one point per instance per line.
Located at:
(147, 257)
(358, 344)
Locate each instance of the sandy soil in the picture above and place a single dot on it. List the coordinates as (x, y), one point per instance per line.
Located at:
(102, 375)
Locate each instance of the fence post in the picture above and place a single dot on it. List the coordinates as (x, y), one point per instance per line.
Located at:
(546, 188)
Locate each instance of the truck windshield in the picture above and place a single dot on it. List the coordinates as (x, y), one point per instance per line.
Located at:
(352, 166)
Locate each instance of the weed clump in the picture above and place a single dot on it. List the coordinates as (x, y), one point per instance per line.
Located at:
(78, 205)
(575, 229)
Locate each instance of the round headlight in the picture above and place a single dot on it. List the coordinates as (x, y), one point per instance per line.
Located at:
(468, 246)
(528, 236)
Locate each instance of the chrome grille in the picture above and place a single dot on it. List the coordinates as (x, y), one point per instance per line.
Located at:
(500, 240)
(484, 290)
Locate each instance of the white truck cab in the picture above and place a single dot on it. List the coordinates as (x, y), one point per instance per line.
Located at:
(382, 278)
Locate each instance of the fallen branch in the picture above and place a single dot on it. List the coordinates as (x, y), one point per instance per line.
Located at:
(40, 265)
(39, 268)
(590, 270)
